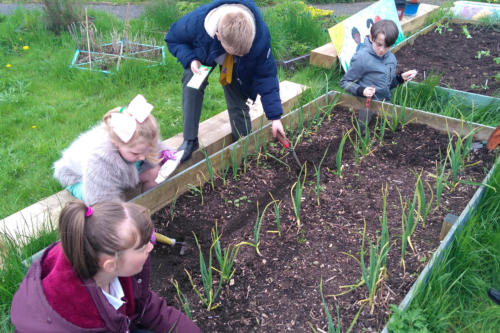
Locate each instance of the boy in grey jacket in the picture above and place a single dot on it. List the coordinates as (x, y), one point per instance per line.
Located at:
(372, 72)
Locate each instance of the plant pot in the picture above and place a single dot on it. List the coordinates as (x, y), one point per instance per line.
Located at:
(411, 8)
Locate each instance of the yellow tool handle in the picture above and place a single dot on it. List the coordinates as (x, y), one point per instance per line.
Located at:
(164, 239)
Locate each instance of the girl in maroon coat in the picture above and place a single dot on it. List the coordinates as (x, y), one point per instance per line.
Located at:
(97, 278)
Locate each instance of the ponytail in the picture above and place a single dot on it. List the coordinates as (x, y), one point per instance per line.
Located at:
(72, 232)
(88, 233)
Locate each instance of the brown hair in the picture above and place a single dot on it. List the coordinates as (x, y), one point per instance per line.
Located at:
(237, 31)
(84, 238)
(146, 133)
(386, 27)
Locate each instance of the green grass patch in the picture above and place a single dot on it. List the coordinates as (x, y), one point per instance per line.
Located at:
(45, 105)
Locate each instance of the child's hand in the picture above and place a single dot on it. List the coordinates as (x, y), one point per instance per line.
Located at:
(195, 66)
(369, 91)
(409, 75)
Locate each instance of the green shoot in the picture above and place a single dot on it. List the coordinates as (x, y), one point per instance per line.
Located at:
(440, 180)
(256, 228)
(183, 301)
(245, 153)
(384, 234)
(331, 327)
(225, 257)
(297, 194)
(381, 130)
(317, 173)
(408, 225)
(210, 296)
(457, 153)
(372, 275)
(195, 190)
(279, 161)
(482, 53)
(338, 157)
(423, 206)
(209, 167)
(363, 142)
(465, 31)
(276, 207)
(224, 168)
(235, 161)
(256, 138)
(397, 119)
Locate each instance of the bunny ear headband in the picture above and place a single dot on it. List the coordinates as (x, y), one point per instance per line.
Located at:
(124, 123)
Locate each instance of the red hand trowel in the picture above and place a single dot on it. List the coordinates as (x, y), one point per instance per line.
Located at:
(286, 144)
(365, 115)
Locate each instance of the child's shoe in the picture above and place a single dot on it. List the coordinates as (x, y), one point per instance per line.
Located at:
(188, 146)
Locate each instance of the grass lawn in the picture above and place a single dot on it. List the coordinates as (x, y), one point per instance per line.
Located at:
(45, 104)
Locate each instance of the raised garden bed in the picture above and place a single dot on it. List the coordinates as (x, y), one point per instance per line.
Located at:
(467, 56)
(279, 290)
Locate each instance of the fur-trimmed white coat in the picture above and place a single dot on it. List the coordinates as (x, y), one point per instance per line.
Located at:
(93, 160)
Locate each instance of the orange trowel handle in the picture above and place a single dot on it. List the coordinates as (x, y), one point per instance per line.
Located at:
(494, 139)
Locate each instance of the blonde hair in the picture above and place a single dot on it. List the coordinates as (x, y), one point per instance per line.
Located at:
(237, 31)
(146, 133)
(84, 238)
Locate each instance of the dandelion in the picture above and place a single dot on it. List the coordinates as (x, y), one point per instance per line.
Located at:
(33, 126)
(8, 65)
(26, 47)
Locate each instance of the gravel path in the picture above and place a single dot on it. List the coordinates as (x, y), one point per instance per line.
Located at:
(120, 11)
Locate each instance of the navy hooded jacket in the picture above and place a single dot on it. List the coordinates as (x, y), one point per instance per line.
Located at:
(255, 72)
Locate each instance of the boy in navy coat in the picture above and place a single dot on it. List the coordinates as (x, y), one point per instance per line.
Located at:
(233, 35)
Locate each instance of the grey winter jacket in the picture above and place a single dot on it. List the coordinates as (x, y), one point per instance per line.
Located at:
(367, 69)
(93, 160)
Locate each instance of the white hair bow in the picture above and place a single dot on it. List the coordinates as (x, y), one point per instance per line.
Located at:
(124, 123)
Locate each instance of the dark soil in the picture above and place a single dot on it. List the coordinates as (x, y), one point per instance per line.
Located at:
(455, 57)
(279, 290)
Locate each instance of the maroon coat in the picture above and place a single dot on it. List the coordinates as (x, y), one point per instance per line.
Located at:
(53, 299)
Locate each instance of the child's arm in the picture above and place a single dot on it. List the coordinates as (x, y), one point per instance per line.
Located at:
(401, 78)
(159, 317)
(349, 81)
(180, 38)
(266, 84)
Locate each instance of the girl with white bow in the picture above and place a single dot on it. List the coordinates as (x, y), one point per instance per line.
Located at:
(116, 155)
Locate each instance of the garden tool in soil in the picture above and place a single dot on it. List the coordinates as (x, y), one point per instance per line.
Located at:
(286, 144)
(365, 115)
(170, 161)
(159, 238)
(494, 139)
